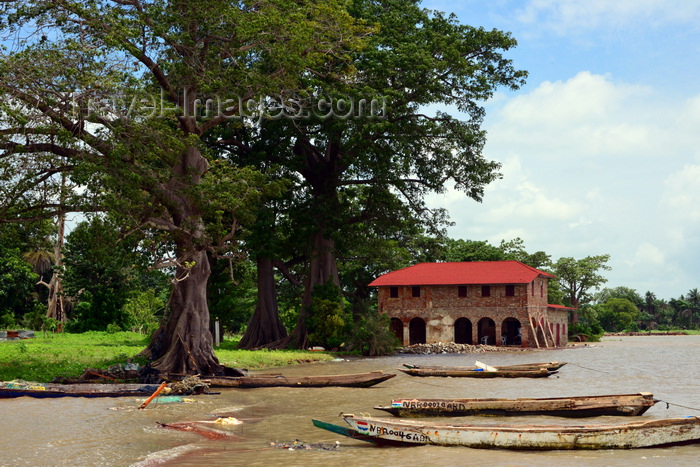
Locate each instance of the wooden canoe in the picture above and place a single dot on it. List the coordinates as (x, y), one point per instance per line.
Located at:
(350, 433)
(478, 373)
(639, 434)
(359, 380)
(581, 406)
(551, 366)
(10, 389)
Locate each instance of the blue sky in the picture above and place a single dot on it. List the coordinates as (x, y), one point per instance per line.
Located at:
(601, 148)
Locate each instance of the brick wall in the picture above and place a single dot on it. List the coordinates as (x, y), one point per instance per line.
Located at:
(440, 306)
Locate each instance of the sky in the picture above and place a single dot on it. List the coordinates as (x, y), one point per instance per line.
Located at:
(600, 150)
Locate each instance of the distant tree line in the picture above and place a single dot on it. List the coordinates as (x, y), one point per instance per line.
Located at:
(109, 286)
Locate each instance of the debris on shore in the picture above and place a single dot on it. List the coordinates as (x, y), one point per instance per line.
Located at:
(644, 333)
(451, 347)
(301, 445)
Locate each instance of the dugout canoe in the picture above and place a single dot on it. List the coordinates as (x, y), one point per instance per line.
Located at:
(550, 366)
(477, 373)
(358, 380)
(11, 389)
(350, 433)
(639, 434)
(579, 406)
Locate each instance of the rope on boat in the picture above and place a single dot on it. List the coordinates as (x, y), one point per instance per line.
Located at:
(591, 369)
(420, 381)
(678, 405)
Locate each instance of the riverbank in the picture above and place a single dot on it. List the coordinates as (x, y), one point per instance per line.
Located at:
(47, 356)
(451, 347)
(650, 333)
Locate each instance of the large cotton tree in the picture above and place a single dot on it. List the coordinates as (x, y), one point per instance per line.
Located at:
(579, 277)
(417, 64)
(114, 94)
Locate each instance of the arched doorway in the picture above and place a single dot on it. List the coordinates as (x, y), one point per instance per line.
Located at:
(397, 328)
(463, 331)
(487, 331)
(511, 332)
(416, 331)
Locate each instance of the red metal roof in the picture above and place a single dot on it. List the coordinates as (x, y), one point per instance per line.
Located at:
(560, 307)
(474, 272)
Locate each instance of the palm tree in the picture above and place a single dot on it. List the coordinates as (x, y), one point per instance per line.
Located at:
(650, 307)
(693, 298)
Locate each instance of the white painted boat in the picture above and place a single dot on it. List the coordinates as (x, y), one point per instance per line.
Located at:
(576, 406)
(642, 434)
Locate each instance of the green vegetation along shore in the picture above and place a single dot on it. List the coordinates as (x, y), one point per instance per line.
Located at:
(47, 356)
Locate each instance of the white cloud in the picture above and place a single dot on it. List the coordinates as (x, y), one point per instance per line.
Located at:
(648, 255)
(587, 115)
(682, 194)
(565, 16)
(594, 166)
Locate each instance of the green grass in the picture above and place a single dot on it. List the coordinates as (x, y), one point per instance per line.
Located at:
(259, 359)
(67, 355)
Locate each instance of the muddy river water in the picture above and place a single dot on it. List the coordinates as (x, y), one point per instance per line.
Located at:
(111, 432)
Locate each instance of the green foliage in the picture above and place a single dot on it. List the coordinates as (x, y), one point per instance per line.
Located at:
(37, 320)
(104, 271)
(7, 320)
(618, 314)
(113, 328)
(16, 285)
(470, 250)
(98, 271)
(143, 311)
(371, 334)
(588, 327)
(328, 321)
(232, 295)
(578, 278)
(619, 292)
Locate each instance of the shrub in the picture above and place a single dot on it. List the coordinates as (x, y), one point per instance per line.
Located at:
(143, 312)
(7, 320)
(371, 334)
(328, 321)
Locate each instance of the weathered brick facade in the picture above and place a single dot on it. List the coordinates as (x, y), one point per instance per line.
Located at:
(495, 314)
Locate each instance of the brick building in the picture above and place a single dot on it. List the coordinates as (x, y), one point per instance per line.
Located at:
(481, 302)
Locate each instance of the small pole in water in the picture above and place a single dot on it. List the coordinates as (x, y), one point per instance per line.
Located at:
(153, 396)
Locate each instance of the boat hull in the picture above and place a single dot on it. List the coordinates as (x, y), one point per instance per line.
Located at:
(584, 406)
(643, 434)
(477, 373)
(551, 366)
(49, 390)
(359, 380)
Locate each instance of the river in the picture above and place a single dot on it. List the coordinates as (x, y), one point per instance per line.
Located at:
(111, 432)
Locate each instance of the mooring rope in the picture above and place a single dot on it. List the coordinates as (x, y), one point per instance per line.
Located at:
(587, 368)
(678, 405)
(425, 383)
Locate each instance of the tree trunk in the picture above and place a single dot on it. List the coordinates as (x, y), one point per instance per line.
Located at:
(56, 304)
(322, 171)
(322, 270)
(265, 326)
(184, 344)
